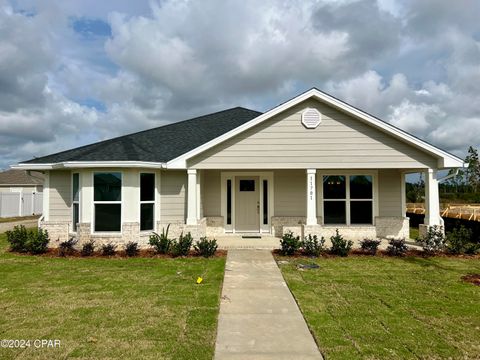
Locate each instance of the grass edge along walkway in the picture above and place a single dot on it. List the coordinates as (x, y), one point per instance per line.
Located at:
(396, 308)
(125, 308)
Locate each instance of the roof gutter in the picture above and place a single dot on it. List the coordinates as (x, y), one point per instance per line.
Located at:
(89, 164)
(457, 170)
(445, 178)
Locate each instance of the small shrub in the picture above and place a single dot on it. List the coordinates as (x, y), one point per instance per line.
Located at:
(67, 247)
(472, 248)
(160, 242)
(340, 246)
(458, 240)
(131, 248)
(311, 246)
(289, 244)
(37, 241)
(108, 249)
(88, 248)
(18, 239)
(370, 246)
(397, 247)
(205, 247)
(434, 240)
(31, 241)
(182, 246)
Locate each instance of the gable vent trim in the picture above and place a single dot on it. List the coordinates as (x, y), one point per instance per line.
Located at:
(311, 118)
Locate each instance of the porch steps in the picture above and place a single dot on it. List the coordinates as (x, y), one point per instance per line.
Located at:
(250, 241)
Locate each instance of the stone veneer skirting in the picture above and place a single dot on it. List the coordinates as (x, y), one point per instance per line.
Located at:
(385, 227)
(389, 226)
(58, 231)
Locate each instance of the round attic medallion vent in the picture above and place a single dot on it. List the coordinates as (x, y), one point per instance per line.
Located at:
(311, 118)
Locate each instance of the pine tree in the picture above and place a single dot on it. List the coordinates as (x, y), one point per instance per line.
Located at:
(473, 171)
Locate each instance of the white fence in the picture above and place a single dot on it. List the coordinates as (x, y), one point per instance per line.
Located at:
(20, 204)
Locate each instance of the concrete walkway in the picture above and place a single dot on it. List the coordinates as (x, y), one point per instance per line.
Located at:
(259, 318)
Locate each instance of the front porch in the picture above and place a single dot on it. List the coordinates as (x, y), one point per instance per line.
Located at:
(360, 203)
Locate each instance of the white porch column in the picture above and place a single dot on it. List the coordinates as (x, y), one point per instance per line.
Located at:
(46, 197)
(432, 201)
(192, 197)
(311, 197)
(199, 196)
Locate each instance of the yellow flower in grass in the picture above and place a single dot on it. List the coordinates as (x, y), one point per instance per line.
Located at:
(199, 280)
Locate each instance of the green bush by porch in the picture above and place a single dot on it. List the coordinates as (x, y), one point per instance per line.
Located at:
(389, 308)
(127, 308)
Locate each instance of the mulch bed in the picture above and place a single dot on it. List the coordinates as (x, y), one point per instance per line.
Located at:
(472, 278)
(383, 253)
(143, 253)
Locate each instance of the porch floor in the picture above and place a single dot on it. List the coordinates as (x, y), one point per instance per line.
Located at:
(236, 241)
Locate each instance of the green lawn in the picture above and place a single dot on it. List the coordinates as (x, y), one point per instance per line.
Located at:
(414, 233)
(389, 308)
(110, 308)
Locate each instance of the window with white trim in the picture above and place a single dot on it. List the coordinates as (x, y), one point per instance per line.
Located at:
(348, 199)
(147, 201)
(75, 201)
(107, 201)
(229, 202)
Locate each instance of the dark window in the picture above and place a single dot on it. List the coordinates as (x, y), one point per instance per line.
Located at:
(107, 186)
(360, 187)
(108, 217)
(247, 185)
(229, 202)
(76, 215)
(360, 212)
(334, 187)
(75, 200)
(146, 216)
(334, 212)
(265, 202)
(147, 187)
(358, 199)
(75, 186)
(147, 201)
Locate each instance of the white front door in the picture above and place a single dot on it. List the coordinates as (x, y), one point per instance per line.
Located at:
(247, 204)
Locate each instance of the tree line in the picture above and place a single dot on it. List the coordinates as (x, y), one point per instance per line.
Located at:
(464, 186)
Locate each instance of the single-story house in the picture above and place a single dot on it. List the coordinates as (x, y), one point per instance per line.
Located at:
(310, 165)
(20, 193)
(21, 181)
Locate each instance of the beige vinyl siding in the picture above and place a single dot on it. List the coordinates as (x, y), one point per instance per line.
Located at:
(339, 142)
(290, 193)
(172, 196)
(211, 193)
(60, 196)
(390, 193)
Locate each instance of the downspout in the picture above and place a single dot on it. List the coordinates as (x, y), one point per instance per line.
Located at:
(449, 176)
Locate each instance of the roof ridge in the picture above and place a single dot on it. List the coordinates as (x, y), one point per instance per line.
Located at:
(106, 141)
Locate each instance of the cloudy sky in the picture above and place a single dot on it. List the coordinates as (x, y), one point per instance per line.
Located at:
(74, 72)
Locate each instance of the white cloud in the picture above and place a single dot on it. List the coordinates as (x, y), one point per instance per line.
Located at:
(432, 111)
(415, 64)
(415, 118)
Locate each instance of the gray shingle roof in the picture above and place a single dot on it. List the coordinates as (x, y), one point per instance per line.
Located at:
(20, 177)
(160, 144)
